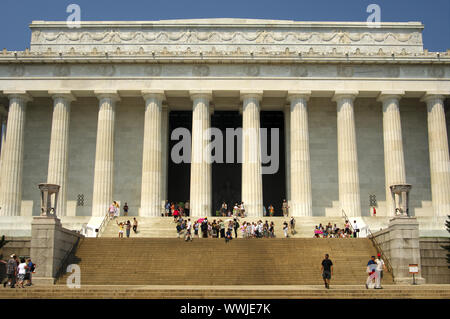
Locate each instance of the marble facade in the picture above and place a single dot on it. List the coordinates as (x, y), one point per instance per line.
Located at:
(88, 108)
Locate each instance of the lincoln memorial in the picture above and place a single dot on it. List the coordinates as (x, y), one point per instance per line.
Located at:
(349, 109)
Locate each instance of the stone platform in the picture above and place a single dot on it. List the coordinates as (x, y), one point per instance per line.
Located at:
(229, 292)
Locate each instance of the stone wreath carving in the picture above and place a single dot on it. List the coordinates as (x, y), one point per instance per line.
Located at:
(153, 70)
(104, 70)
(252, 70)
(345, 71)
(17, 70)
(299, 71)
(436, 71)
(61, 70)
(200, 70)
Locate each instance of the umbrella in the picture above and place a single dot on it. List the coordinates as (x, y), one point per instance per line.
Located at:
(200, 220)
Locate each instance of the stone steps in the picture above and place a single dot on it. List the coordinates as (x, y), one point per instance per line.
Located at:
(171, 261)
(230, 292)
(164, 227)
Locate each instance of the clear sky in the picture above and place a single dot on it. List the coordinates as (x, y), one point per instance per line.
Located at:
(15, 15)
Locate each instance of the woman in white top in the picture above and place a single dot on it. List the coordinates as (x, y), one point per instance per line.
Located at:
(21, 270)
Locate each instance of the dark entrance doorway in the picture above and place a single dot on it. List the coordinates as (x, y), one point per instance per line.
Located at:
(226, 177)
(274, 185)
(179, 175)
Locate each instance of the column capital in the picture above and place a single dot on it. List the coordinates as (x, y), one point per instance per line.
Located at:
(154, 94)
(344, 94)
(18, 94)
(431, 95)
(300, 94)
(251, 94)
(107, 94)
(65, 94)
(201, 94)
(387, 95)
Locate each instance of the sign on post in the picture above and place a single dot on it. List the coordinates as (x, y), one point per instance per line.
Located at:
(414, 269)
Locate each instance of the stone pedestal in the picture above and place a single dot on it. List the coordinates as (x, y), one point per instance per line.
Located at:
(50, 243)
(403, 248)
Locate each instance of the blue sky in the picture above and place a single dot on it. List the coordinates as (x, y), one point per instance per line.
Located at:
(15, 15)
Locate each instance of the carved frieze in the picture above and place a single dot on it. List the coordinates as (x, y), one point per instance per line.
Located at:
(288, 36)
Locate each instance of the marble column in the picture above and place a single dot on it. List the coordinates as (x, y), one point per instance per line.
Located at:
(151, 191)
(3, 121)
(165, 152)
(12, 162)
(104, 153)
(287, 153)
(59, 146)
(201, 192)
(301, 198)
(3, 118)
(394, 162)
(252, 191)
(439, 154)
(349, 196)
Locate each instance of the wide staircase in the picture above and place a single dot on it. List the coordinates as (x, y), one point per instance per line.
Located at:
(164, 227)
(171, 261)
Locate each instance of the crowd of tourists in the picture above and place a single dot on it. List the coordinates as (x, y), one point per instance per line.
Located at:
(229, 228)
(225, 210)
(333, 231)
(18, 272)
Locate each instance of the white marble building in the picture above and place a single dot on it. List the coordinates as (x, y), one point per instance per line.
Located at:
(88, 108)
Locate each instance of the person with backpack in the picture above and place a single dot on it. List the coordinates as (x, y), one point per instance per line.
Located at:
(30, 270)
(11, 271)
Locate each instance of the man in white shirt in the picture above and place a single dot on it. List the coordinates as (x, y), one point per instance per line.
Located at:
(355, 229)
(379, 271)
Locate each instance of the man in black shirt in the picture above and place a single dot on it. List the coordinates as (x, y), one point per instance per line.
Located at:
(327, 270)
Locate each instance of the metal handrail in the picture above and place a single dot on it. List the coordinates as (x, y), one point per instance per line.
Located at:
(103, 225)
(377, 246)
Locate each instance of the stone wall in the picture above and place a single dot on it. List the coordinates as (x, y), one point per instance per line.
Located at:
(434, 262)
(400, 243)
(50, 244)
(17, 245)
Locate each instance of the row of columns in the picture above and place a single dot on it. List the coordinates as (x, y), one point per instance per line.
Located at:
(155, 154)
